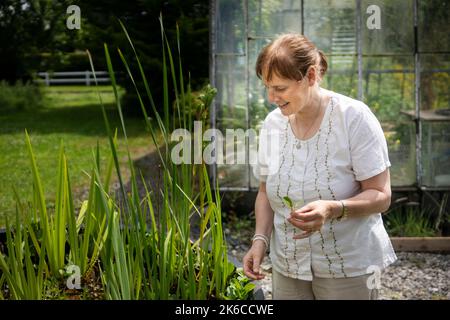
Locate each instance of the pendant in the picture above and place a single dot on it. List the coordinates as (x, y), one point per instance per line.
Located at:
(299, 144)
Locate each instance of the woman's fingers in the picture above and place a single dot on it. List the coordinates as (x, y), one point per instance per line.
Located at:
(304, 209)
(305, 216)
(248, 269)
(312, 211)
(303, 225)
(303, 235)
(252, 268)
(309, 219)
(249, 272)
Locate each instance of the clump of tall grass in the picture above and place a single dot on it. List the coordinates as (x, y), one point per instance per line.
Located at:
(409, 223)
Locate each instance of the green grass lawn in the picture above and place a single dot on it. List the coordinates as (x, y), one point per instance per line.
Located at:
(71, 115)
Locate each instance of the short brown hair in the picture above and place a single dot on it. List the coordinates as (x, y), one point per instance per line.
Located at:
(289, 56)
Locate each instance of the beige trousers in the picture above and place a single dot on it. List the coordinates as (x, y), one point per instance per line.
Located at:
(353, 288)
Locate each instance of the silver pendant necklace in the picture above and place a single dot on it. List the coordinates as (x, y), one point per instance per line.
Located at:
(299, 142)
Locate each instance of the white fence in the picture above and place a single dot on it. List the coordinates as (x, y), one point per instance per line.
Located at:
(71, 77)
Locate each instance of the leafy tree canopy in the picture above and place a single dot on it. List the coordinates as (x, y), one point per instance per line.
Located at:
(35, 38)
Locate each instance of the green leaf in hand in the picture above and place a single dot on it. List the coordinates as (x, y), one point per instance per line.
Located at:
(293, 206)
(288, 202)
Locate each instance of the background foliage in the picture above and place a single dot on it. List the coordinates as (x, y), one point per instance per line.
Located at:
(37, 38)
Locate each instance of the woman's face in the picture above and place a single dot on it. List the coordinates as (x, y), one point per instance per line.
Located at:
(289, 95)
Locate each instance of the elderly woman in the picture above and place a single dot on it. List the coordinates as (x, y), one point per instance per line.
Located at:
(331, 159)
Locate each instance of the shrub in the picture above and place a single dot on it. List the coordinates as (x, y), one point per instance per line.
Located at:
(20, 96)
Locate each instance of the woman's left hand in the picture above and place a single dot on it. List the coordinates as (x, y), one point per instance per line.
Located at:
(310, 218)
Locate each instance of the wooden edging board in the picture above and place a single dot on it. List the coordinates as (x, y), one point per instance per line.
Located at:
(421, 244)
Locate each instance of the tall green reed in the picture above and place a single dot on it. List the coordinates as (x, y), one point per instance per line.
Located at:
(162, 261)
(24, 279)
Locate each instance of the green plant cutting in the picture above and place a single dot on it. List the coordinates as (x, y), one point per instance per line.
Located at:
(290, 203)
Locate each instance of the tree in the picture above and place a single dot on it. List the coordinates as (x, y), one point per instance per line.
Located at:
(27, 28)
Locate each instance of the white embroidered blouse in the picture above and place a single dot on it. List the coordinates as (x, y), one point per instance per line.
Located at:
(348, 147)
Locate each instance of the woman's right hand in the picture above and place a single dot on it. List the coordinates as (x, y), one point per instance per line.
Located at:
(253, 259)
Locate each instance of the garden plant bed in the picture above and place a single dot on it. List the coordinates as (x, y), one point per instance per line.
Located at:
(119, 244)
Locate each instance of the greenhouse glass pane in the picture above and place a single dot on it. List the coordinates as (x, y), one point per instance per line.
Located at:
(330, 24)
(381, 31)
(233, 170)
(436, 152)
(231, 115)
(435, 118)
(233, 176)
(434, 16)
(434, 81)
(388, 86)
(268, 18)
(231, 103)
(230, 28)
(401, 139)
(342, 75)
(259, 106)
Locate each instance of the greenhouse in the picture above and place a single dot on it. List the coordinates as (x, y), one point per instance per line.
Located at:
(393, 55)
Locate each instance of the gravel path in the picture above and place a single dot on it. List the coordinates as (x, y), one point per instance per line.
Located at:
(414, 276)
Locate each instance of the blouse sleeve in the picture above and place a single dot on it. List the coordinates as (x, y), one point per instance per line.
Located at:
(368, 147)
